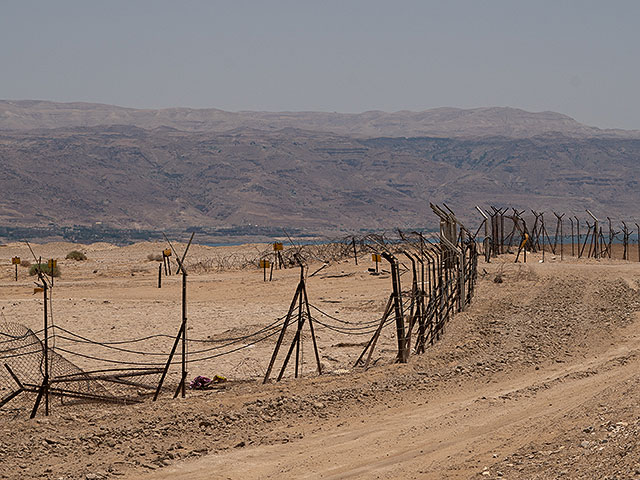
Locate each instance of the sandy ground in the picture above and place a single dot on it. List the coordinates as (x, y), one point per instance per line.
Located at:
(537, 379)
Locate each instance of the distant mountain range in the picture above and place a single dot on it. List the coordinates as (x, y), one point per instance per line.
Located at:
(438, 122)
(66, 164)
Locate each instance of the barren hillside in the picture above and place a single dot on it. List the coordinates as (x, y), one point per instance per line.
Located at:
(86, 172)
(316, 182)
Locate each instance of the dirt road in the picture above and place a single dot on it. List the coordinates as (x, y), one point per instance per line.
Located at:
(456, 435)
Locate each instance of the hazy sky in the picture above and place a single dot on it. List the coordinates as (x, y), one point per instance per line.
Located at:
(581, 58)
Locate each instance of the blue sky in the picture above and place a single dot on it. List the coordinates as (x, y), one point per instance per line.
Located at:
(575, 57)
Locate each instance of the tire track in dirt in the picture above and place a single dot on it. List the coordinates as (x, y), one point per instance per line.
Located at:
(443, 438)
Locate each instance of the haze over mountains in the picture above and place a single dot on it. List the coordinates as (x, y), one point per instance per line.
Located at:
(82, 163)
(438, 122)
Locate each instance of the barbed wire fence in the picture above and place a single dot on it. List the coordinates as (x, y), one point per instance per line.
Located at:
(510, 230)
(433, 277)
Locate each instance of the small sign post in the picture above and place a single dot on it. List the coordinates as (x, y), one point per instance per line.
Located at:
(277, 256)
(52, 264)
(16, 261)
(522, 247)
(165, 261)
(375, 257)
(264, 264)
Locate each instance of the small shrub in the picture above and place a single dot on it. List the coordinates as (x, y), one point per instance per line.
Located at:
(76, 255)
(25, 263)
(44, 268)
(154, 257)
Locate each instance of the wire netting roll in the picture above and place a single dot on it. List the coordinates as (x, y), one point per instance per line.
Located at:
(23, 353)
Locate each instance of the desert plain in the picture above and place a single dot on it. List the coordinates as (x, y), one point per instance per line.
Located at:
(537, 379)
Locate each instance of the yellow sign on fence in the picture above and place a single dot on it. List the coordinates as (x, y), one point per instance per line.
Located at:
(167, 252)
(52, 263)
(264, 264)
(277, 246)
(15, 261)
(375, 257)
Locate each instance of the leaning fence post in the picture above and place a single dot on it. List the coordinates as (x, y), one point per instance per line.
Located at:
(596, 231)
(578, 235)
(397, 306)
(487, 256)
(355, 252)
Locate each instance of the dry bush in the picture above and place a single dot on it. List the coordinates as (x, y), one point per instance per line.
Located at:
(154, 257)
(76, 255)
(44, 268)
